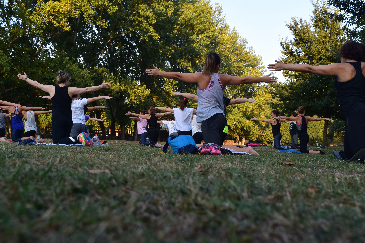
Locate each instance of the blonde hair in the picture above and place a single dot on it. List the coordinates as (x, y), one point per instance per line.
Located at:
(211, 62)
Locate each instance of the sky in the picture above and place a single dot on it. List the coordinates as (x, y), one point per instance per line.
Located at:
(263, 23)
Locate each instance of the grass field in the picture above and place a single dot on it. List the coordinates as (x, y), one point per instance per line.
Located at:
(129, 193)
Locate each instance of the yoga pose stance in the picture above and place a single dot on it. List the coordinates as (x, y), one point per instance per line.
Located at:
(3, 125)
(301, 123)
(210, 91)
(275, 125)
(183, 116)
(17, 111)
(151, 117)
(141, 128)
(61, 102)
(350, 86)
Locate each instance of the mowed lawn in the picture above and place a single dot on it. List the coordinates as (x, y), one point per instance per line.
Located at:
(129, 193)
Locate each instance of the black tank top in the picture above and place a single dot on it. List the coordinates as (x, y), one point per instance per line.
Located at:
(302, 128)
(61, 105)
(351, 94)
(152, 122)
(276, 128)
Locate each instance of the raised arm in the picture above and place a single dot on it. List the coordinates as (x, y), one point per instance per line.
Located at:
(235, 80)
(241, 100)
(163, 114)
(185, 77)
(47, 88)
(45, 97)
(134, 118)
(24, 108)
(98, 98)
(4, 107)
(147, 116)
(6, 103)
(193, 97)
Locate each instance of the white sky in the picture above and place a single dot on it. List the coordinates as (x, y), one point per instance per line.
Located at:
(263, 23)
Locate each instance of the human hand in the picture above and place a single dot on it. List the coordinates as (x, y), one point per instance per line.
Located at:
(253, 119)
(278, 66)
(270, 79)
(250, 100)
(153, 72)
(105, 85)
(22, 77)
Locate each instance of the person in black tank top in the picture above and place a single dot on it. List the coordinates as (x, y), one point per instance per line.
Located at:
(302, 127)
(275, 125)
(350, 85)
(152, 118)
(61, 104)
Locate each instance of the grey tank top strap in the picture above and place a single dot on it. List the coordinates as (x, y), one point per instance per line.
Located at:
(210, 99)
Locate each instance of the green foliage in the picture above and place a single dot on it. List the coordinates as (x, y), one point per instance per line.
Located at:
(314, 43)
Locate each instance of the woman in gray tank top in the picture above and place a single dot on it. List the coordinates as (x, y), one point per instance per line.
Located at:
(210, 91)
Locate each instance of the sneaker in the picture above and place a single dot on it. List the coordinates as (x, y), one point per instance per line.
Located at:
(85, 139)
(205, 149)
(216, 149)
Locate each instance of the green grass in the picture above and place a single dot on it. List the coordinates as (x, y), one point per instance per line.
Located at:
(47, 194)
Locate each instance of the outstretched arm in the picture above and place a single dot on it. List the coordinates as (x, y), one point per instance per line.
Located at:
(24, 108)
(134, 118)
(95, 108)
(193, 97)
(45, 97)
(6, 103)
(185, 77)
(98, 98)
(165, 109)
(308, 118)
(47, 88)
(6, 107)
(241, 100)
(96, 119)
(334, 69)
(262, 120)
(74, 90)
(235, 80)
(147, 116)
(42, 112)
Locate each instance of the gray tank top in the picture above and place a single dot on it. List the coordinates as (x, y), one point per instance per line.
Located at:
(30, 124)
(210, 99)
(2, 120)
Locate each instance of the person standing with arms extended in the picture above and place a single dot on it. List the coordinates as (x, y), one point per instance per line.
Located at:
(210, 91)
(61, 103)
(350, 86)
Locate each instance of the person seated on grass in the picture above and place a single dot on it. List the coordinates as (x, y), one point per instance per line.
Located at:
(350, 85)
(226, 101)
(30, 125)
(302, 122)
(183, 116)
(151, 117)
(16, 110)
(3, 125)
(141, 128)
(248, 149)
(171, 127)
(210, 89)
(78, 112)
(275, 125)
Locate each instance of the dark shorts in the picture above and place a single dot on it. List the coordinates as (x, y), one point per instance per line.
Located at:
(29, 133)
(2, 132)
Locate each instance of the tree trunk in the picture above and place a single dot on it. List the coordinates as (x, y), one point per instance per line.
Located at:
(325, 133)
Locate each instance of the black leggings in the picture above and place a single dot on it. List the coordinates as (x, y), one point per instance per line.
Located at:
(61, 130)
(304, 139)
(354, 134)
(153, 135)
(212, 128)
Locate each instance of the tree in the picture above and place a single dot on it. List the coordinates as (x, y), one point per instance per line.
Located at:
(352, 12)
(314, 43)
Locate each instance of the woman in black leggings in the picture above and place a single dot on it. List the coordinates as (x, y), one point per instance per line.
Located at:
(60, 95)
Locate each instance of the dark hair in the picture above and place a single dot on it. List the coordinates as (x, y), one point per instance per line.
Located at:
(152, 110)
(16, 100)
(276, 113)
(74, 96)
(183, 103)
(62, 77)
(294, 114)
(29, 105)
(142, 111)
(211, 62)
(353, 50)
(301, 110)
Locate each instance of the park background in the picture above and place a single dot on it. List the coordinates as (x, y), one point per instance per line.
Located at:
(115, 41)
